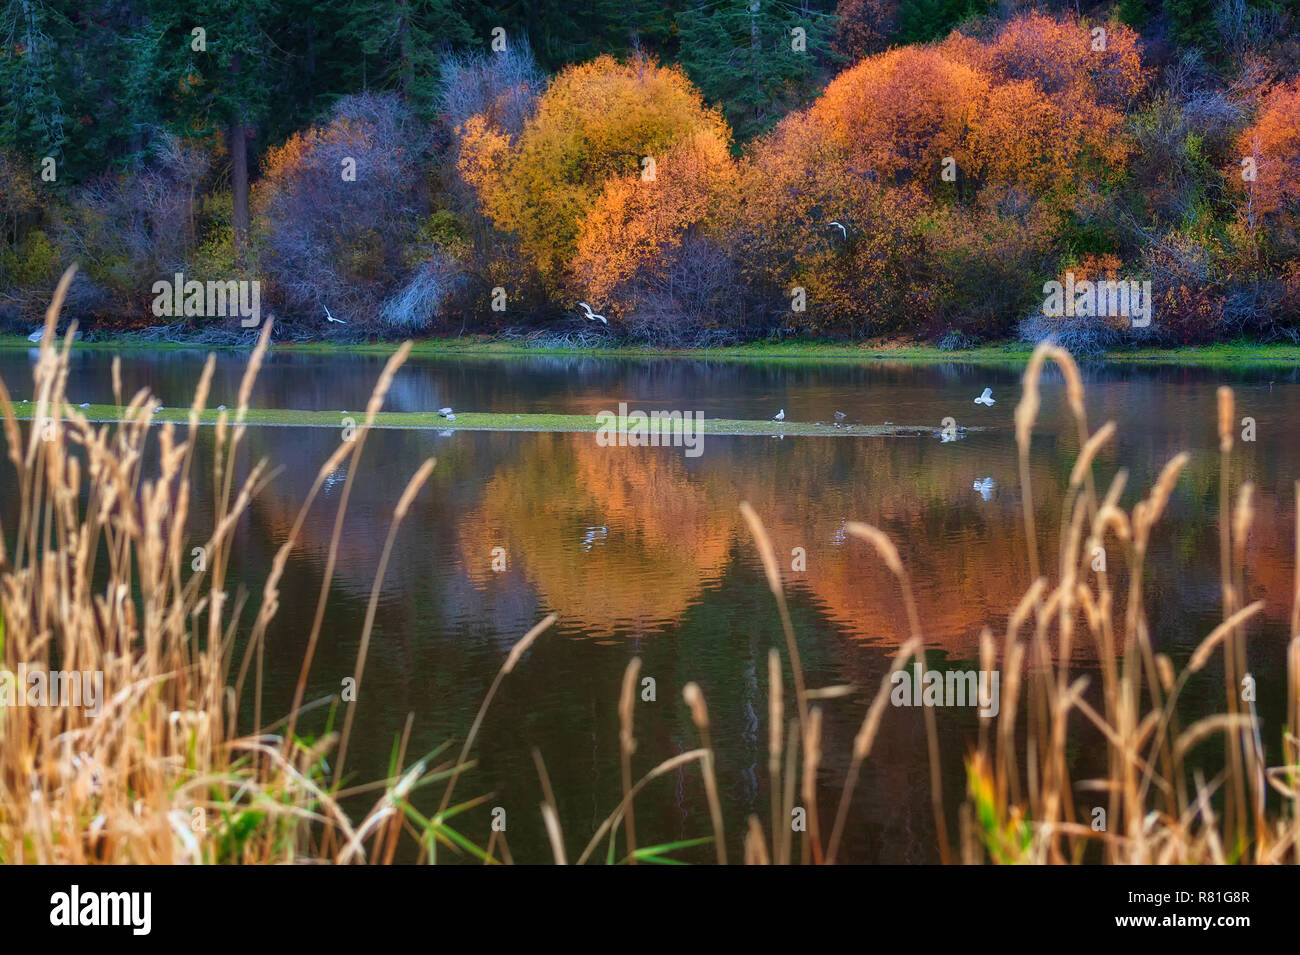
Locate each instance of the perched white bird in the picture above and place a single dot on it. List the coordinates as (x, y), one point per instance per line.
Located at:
(444, 411)
(450, 417)
(986, 399)
(779, 416)
(985, 487)
(84, 404)
(221, 407)
(592, 315)
(331, 317)
(840, 226)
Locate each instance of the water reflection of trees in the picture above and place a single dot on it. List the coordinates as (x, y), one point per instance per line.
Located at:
(625, 540)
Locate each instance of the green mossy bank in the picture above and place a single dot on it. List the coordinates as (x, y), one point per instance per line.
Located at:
(1228, 353)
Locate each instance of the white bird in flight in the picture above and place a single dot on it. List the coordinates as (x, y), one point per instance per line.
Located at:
(592, 315)
(840, 226)
(331, 317)
(986, 399)
(779, 416)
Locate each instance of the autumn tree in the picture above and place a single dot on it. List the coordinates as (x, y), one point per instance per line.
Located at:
(1267, 173)
(598, 121)
(948, 170)
(648, 251)
(823, 240)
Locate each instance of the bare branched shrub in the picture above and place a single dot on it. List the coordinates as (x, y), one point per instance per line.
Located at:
(131, 229)
(340, 207)
(690, 302)
(1080, 335)
(418, 303)
(503, 87)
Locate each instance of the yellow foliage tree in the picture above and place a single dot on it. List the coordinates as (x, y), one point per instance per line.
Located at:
(602, 120)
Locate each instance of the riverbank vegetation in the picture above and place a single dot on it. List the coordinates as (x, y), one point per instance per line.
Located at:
(697, 174)
(106, 570)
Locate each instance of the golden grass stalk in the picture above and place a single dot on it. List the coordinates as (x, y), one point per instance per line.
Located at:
(773, 573)
(627, 746)
(694, 698)
(413, 486)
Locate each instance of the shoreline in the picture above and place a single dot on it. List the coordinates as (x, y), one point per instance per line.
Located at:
(1013, 353)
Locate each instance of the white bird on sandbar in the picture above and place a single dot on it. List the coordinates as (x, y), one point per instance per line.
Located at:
(779, 416)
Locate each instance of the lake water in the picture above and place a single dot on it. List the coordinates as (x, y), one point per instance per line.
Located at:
(643, 551)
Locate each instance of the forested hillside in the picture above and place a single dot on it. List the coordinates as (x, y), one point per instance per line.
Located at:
(694, 172)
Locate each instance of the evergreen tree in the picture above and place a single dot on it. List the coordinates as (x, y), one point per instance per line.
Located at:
(749, 58)
(33, 123)
(402, 42)
(1193, 22)
(216, 69)
(920, 21)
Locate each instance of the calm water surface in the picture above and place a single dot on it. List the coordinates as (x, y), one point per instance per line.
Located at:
(642, 551)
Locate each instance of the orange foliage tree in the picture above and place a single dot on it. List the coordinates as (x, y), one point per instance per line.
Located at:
(950, 169)
(1269, 181)
(632, 244)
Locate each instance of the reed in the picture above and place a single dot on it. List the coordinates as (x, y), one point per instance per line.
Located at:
(101, 580)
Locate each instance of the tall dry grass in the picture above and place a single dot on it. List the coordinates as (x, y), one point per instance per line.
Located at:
(1021, 804)
(103, 576)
